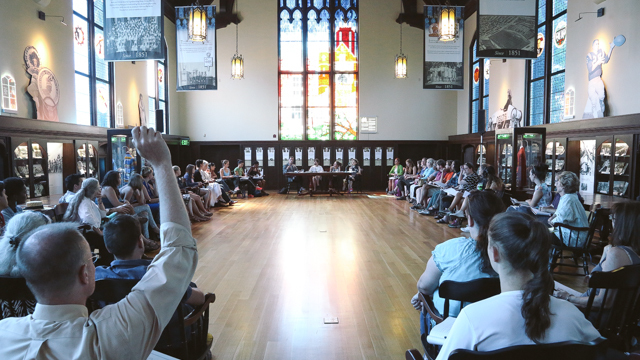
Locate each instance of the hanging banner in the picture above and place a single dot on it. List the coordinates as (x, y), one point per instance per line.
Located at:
(352, 153)
(389, 156)
(298, 152)
(326, 155)
(340, 156)
(443, 60)
(197, 61)
(247, 157)
(259, 156)
(133, 30)
(311, 155)
(271, 154)
(507, 29)
(366, 156)
(378, 155)
(285, 155)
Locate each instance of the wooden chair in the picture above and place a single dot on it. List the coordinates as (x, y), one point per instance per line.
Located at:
(59, 210)
(194, 345)
(465, 292)
(619, 312)
(572, 245)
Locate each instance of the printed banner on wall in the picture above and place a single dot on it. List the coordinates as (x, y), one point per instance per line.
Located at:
(340, 156)
(247, 157)
(588, 167)
(311, 155)
(259, 156)
(326, 156)
(133, 30)
(443, 60)
(298, 152)
(352, 153)
(378, 155)
(366, 156)
(197, 61)
(285, 155)
(507, 29)
(271, 154)
(389, 156)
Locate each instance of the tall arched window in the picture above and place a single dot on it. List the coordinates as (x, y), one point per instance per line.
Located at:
(479, 85)
(157, 89)
(318, 69)
(545, 74)
(93, 75)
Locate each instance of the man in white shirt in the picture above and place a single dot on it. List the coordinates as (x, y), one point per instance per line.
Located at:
(73, 183)
(58, 266)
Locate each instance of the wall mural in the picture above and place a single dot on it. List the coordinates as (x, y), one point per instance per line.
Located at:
(595, 107)
(507, 117)
(43, 86)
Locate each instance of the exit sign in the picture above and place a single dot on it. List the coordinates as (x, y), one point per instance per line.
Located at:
(185, 142)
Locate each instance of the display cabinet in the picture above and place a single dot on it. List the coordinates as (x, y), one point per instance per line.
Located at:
(614, 165)
(30, 163)
(86, 158)
(122, 155)
(556, 158)
(481, 155)
(517, 151)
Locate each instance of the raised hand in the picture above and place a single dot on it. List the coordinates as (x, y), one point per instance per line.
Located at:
(151, 145)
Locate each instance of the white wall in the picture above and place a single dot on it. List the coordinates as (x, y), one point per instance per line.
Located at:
(506, 76)
(248, 109)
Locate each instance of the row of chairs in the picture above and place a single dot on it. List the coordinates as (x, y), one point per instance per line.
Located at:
(616, 319)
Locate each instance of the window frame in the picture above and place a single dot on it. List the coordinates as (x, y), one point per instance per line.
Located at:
(334, 6)
(481, 95)
(157, 101)
(93, 79)
(548, 63)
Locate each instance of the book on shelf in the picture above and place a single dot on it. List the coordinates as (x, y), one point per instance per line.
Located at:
(605, 168)
(620, 188)
(620, 167)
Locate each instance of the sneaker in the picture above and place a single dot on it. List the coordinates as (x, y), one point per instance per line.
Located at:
(398, 198)
(459, 214)
(465, 229)
(258, 188)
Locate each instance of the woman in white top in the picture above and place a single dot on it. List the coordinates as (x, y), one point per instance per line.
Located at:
(524, 312)
(316, 168)
(83, 209)
(211, 185)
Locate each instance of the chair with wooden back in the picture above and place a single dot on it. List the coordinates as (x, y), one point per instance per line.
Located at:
(15, 289)
(193, 345)
(571, 243)
(619, 311)
(465, 292)
(59, 210)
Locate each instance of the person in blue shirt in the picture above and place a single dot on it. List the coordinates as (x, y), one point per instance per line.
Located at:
(16, 194)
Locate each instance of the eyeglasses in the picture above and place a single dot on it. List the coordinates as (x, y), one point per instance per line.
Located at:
(94, 258)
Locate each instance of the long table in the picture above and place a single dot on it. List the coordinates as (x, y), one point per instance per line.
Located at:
(307, 175)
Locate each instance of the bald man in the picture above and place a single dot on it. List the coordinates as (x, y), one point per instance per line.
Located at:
(58, 266)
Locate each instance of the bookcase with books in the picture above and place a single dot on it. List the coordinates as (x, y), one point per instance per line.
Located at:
(30, 163)
(614, 165)
(555, 157)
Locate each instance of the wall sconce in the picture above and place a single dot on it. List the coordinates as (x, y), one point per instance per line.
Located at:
(197, 23)
(42, 16)
(401, 59)
(448, 31)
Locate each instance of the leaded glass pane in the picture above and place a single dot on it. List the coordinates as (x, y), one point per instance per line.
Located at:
(80, 6)
(485, 105)
(486, 76)
(537, 64)
(291, 90)
(474, 116)
(346, 42)
(102, 104)
(291, 41)
(318, 92)
(83, 100)
(346, 90)
(559, 6)
(475, 91)
(151, 78)
(542, 11)
(102, 68)
(291, 123)
(80, 45)
(319, 42)
(536, 108)
(475, 50)
(152, 107)
(98, 12)
(161, 81)
(559, 43)
(318, 123)
(346, 124)
(557, 98)
(162, 106)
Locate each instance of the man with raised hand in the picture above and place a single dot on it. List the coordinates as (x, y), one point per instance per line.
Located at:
(58, 266)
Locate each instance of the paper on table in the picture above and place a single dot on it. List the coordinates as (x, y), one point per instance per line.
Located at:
(466, 193)
(540, 212)
(160, 356)
(516, 202)
(451, 191)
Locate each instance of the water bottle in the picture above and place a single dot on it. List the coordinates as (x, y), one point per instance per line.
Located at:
(480, 186)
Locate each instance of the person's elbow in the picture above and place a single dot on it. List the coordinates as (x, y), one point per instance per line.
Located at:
(197, 297)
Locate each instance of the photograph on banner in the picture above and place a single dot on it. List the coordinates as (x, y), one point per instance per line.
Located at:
(298, 153)
(389, 156)
(133, 30)
(247, 157)
(311, 155)
(507, 29)
(197, 61)
(352, 153)
(378, 156)
(326, 156)
(366, 156)
(285, 155)
(271, 155)
(443, 60)
(259, 156)
(340, 156)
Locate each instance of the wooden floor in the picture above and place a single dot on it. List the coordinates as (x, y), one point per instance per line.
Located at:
(281, 264)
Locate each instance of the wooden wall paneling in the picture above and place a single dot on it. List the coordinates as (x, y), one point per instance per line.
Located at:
(573, 156)
(5, 162)
(68, 159)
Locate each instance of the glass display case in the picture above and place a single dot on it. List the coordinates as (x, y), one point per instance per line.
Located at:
(86, 154)
(30, 163)
(122, 155)
(517, 151)
(555, 157)
(481, 155)
(614, 165)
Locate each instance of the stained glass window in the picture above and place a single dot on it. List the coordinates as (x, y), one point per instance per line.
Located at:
(92, 73)
(318, 69)
(479, 95)
(546, 72)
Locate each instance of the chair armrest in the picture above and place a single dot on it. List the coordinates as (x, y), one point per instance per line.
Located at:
(428, 305)
(413, 354)
(574, 228)
(209, 298)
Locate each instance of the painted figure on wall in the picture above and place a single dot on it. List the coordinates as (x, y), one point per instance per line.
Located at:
(595, 107)
(507, 117)
(43, 86)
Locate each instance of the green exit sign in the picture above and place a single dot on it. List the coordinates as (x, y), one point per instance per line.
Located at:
(185, 142)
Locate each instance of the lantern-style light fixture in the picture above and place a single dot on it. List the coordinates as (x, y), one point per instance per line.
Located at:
(197, 23)
(237, 62)
(448, 30)
(401, 59)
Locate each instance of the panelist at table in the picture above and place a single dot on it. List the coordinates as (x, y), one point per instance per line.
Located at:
(291, 167)
(316, 168)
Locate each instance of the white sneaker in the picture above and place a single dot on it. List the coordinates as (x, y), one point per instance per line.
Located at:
(465, 229)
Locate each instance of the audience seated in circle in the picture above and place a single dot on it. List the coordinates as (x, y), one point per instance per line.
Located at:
(569, 211)
(72, 184)
(111, 197)
(136, 194)
(194, 206)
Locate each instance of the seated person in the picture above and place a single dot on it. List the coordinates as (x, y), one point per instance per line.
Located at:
(542, 197)
(490, 182)
(16, 194)
(189, 180)
(356, 173)
(239, 172)
(58, 267)
(419, 179)
(111, 194)
(569, 211)
(524, 312)
(223, 185)
(255, 173)
(4, 203)
(430, 186)
(316, 168)
(404, 181)
(72, 183)
(434, 203)
(334, 179)
(123, 239)
(467, 183)
(194, 206)
(136, 194)
(148, 177)
(623, 251)
(82, 207)
(289, 168)
(395, 173)
(219, 196)
(18, 229)
(460, 259)
(228, 177)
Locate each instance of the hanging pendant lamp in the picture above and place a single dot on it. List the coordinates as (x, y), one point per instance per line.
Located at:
(448, 31)
(197, 23)
(237, 62)
(401, 59)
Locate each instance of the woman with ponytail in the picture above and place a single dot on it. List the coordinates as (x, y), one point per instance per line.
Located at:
(83, 209)
(524, 312)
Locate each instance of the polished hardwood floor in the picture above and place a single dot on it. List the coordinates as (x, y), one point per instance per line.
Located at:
(281, 264)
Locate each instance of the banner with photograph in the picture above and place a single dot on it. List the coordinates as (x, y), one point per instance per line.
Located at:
(197, 61)
(133, 30)
(247, 157)
(285, 155)
(443, 60)
(366, 156)
(259, 156)
(378, 156)
(352, 153)
(588, 167)
(326, 156)
(298, 152)
(507, 29)
(271, 155)
(389, 156)
(311, 155)
(340, 156)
